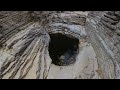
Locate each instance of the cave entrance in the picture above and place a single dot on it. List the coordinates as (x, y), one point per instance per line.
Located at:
(63, 49)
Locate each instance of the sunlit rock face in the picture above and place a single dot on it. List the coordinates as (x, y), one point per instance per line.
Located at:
(59, 45)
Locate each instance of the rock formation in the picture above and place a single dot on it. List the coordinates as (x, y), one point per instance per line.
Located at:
(59, 45)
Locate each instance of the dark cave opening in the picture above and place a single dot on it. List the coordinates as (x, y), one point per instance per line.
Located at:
(63, 49)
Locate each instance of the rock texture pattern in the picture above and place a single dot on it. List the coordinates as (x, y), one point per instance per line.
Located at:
(25, 38)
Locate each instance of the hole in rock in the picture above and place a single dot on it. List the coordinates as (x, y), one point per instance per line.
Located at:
(63, 49)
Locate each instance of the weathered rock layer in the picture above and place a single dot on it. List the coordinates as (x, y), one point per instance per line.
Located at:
(25, 38)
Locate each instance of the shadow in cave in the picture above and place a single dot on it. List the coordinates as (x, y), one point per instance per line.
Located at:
(63, 49)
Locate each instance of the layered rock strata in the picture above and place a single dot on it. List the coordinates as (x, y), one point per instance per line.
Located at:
(91, 51)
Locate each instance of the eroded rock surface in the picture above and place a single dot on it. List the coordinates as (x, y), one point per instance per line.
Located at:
(25, 51)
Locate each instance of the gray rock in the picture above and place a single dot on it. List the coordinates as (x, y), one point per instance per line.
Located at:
(25, 38)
